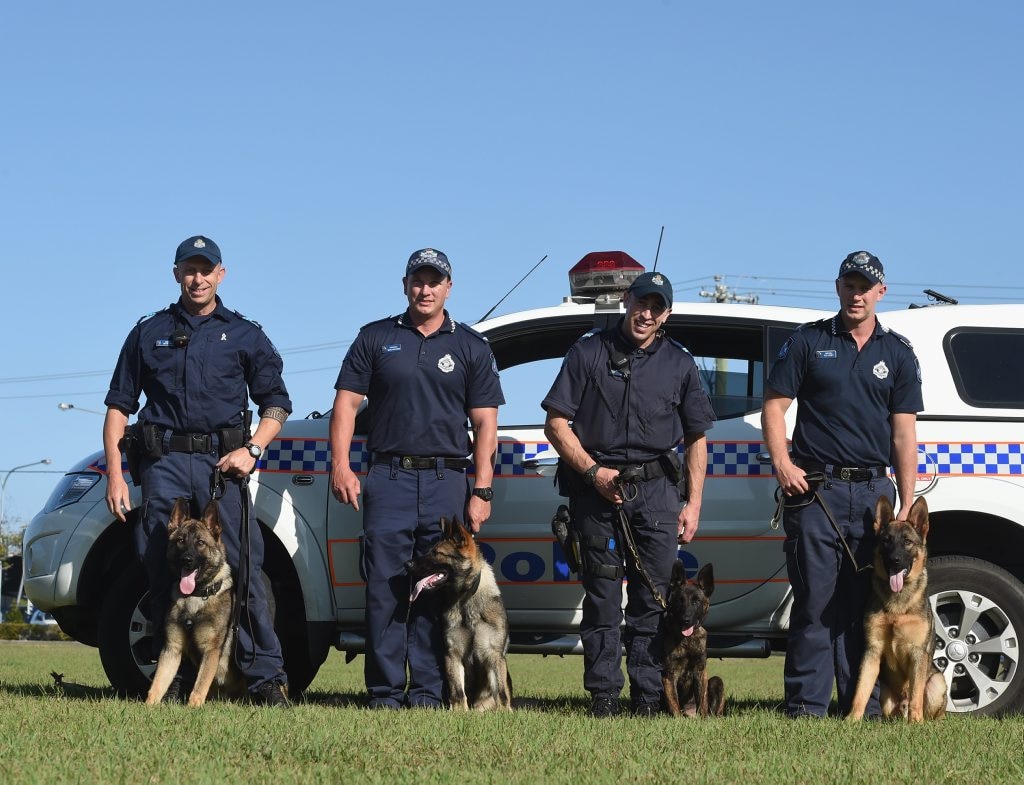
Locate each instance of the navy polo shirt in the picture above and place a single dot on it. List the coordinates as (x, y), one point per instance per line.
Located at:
(635, 413)
(420, 388)
(845, 398)
(207, 384)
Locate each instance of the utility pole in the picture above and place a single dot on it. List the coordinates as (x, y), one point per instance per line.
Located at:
(723, 294)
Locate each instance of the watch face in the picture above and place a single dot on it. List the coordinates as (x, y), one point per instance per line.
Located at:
(484, 493)
(255, 451)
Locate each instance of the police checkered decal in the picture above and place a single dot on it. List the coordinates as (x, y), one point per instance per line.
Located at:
(980, 458)
(725, 459)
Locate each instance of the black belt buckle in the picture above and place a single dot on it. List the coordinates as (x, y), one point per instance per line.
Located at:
(407, 462)
(845, 473)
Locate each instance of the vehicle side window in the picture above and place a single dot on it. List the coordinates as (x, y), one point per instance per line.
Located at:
(731, 362)
(985, 365)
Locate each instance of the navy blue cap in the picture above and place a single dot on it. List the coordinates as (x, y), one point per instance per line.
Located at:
(428, 257)
(864, 263)
(652, 283)
(198, 246)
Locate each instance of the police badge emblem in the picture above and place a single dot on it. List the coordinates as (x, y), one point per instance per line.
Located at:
(881, 370)
(657, 280)
(446, 364)
(199, 243)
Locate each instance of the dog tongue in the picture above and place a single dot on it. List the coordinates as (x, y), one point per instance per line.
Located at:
(896, 581)
(424, 583)
(188, 583)
(688, 632)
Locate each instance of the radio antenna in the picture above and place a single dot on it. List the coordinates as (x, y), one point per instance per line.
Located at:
(656, 253)
(512, 289)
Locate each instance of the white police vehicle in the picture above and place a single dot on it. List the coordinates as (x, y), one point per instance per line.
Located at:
(80, 564)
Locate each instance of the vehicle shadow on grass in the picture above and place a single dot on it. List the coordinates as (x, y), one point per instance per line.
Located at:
(357, 700)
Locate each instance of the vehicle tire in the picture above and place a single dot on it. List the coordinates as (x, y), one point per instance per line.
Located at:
(125, 634)
(126, 637)
(979, 621)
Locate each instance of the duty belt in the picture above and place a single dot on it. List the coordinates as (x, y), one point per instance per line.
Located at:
(190, 442)
(845, 473)
(421, 461)
(650, 470)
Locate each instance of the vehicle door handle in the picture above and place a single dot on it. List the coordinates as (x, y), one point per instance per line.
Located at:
(302, 479)
(543, 466)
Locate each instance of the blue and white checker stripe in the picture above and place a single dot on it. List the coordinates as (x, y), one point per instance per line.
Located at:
(974, 458)
(725, 459)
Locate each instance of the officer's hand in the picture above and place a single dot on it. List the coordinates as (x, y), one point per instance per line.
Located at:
(477, 512)
(689, 519)
(118, 499)
(345, 486)
(237, 463)
(605, 484)
(791, 479)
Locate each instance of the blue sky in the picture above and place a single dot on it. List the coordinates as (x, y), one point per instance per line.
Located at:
(319, 143)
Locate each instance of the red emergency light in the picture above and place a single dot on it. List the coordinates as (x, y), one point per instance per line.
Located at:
(602, 273)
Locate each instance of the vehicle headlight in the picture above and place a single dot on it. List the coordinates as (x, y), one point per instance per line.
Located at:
(70, 489)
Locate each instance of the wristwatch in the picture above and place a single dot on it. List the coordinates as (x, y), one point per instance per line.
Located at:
(254, 449)
(484, 493)
(590, 475)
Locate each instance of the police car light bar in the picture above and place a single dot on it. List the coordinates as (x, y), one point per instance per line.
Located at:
(603, 275)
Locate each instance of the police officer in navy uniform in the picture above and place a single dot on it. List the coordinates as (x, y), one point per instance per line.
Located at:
(198, 364)
(627, 397)
(858, 386)
(423, 375)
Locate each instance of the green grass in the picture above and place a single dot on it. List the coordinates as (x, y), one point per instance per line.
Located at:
(82, 733)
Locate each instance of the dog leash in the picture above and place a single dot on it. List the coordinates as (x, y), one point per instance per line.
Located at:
(242, 657)
(813, 479)
(624, 480)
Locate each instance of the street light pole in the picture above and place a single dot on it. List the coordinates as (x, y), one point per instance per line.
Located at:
(3, 499)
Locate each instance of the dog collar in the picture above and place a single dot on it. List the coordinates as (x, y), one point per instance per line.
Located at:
(209, 591)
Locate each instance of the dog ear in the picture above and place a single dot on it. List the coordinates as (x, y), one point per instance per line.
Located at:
(918, 517)
(706, 579)
(883, 513)
(211, 517)
(178, 514)
(459, 532)
(678, 572)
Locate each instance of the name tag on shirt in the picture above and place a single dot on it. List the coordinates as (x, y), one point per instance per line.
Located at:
(391, 347)
(163, 342)
(826, 354)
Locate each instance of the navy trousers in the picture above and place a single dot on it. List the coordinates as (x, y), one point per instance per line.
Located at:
(826, 626)
(401, 519)
(186, 475)
(654, 518)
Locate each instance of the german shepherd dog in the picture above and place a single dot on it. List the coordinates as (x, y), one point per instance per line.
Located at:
(688, 690)
(473, 618)
(898, 626)
(199, 618)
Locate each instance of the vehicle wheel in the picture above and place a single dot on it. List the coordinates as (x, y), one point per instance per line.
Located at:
(125, 634)
(979, 618)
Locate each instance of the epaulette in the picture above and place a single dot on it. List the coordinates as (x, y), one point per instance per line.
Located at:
(246, 318)
(151, 315)
(395, 317)
(906, 341)
(470, 331)
(589, 334)
(676, 343)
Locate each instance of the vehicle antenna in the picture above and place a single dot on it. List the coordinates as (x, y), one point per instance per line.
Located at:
(656, 253)
(512, 289)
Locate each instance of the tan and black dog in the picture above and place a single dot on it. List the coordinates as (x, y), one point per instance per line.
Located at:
(199, 619)
(688, 690)
(898, 626)
(473, 618)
